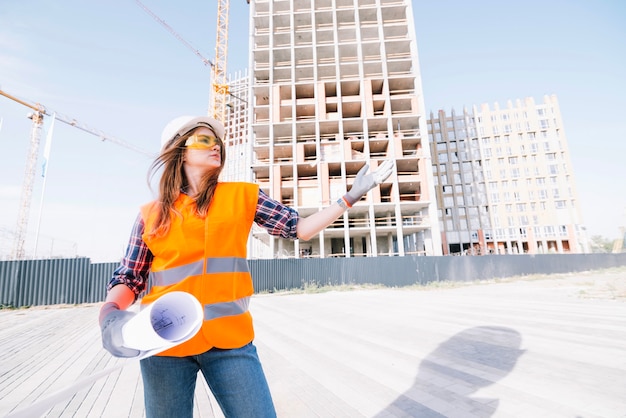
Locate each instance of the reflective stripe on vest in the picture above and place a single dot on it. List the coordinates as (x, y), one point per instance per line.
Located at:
(217, 310)
(221, 309)
(213, 265)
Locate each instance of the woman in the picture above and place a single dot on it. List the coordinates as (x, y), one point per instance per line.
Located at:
(193, 239)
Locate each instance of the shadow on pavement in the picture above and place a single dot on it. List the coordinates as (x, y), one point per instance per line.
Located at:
(490, 352)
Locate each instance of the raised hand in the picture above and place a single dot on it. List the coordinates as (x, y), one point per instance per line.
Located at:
(363, 183)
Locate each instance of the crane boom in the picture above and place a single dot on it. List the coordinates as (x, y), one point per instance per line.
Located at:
(37, 116)
(206, 61)
(220, 89)
(73, 122)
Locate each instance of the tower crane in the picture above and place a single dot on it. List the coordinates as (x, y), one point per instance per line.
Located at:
(219, 91)
(39, 111)
(217, 103)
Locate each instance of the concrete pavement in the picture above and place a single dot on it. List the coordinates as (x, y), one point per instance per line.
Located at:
(552, 347)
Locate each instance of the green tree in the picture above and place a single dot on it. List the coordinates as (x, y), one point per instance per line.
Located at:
(600, 244)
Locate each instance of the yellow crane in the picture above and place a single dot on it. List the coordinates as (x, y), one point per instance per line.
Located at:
(39, 111)
(219, 92)
(217, 103)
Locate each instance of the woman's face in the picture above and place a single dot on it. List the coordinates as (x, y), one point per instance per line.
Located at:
(203, 150)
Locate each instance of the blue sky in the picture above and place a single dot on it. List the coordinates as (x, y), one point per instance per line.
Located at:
(112, 67)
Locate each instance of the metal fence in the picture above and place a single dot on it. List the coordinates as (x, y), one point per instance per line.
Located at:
(77, 280)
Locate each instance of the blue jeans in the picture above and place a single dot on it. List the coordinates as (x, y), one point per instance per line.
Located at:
(235, 378)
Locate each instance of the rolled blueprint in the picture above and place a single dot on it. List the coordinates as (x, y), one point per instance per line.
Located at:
(170, 320)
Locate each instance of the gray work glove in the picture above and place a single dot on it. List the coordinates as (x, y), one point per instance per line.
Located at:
(112, 319)
(363, 183)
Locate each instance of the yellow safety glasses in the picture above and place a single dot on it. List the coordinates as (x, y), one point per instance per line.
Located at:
(202, 141)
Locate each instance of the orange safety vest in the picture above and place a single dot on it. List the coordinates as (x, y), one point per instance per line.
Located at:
(207, 258)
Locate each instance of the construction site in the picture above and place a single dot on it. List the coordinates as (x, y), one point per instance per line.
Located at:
(331, 88)
(335, 85)
(460, 286)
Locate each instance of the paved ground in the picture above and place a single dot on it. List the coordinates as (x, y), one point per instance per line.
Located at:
(552, 347)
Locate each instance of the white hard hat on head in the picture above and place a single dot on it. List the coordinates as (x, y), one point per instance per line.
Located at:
(184, 124)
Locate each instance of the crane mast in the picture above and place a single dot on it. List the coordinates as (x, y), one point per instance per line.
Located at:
(27, 188)
(217, 104)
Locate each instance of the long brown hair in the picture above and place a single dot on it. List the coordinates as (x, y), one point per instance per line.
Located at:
(174, 181)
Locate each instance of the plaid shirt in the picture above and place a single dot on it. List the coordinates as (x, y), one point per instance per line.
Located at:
(276, 218)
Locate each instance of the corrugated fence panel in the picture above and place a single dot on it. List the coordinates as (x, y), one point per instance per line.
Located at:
(73, 281)
(8, 282)
(98, 279)
(54, 281)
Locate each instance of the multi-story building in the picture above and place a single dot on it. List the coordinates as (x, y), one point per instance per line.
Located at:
(237, 125)
(504, 180)
(335, 85)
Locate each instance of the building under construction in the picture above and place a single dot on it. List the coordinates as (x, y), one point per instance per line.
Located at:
(237, 123)
(335, 85)
(504, 180)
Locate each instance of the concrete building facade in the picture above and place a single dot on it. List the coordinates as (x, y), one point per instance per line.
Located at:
(237, 126)
(504, 180)
(335, 85)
